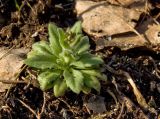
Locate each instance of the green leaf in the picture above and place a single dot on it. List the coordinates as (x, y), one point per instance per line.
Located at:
(87, 60)
(86, 89)
(62, 39)
(41, 61)
(42, 47)
(92, 82)
(59, 87)
(83, 45)
(54, 39)
(32, 54)
(95, 73)
(65, 61)
(66, 56)
(76, 40)
(74, 80)
(77, 28)
(47, 78)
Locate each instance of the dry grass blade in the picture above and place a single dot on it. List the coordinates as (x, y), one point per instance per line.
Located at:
(131, 107)
(140, 99)
(8, 51)
(43, 106)
(37, 115)
(113, 95)
(121, 112)
(28, 107)
(12, 82)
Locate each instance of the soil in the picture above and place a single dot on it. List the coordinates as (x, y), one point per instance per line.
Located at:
(21, 27)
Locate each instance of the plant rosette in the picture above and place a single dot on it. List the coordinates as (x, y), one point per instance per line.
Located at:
(65, 62)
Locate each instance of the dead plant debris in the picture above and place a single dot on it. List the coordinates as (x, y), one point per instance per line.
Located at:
(126, 33)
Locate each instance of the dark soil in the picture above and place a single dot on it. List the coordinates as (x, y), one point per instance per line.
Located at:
(22, 27)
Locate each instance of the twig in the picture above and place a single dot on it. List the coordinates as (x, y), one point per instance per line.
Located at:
(11, 81)
(113, 95)
(29, 5)
(5, 54)
(89, 112)
(43, 106)
(110, 69)
(157, 16)
(28, 107)
(121, 112)
(122, 98)
(65, 103)
(141, 100)
(70, 108)
(38, 115)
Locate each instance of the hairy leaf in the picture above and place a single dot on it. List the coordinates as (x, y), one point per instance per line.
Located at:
(94, 72)
(92, 82)
(32, 54)
(75, 81)
(62, 39)
(77, 28)
(59, 87)
(83, 45)
(87, 60)
(47, 78)
(76, 40)
(66, 56)
(54, 39)
(86, 89)
(41, 61)
(42, 47)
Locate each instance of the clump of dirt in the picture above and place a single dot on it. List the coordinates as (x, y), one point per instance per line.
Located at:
(28, 24)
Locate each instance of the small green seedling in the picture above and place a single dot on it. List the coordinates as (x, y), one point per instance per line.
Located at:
(65, 61)
(17, 5)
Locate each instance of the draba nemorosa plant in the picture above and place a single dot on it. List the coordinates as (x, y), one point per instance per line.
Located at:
(65, 61)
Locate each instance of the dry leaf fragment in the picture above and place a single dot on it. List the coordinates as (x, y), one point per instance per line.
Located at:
(128, 3)
(150, 38)
(153, 34)
(10, 65)
(103, 19)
